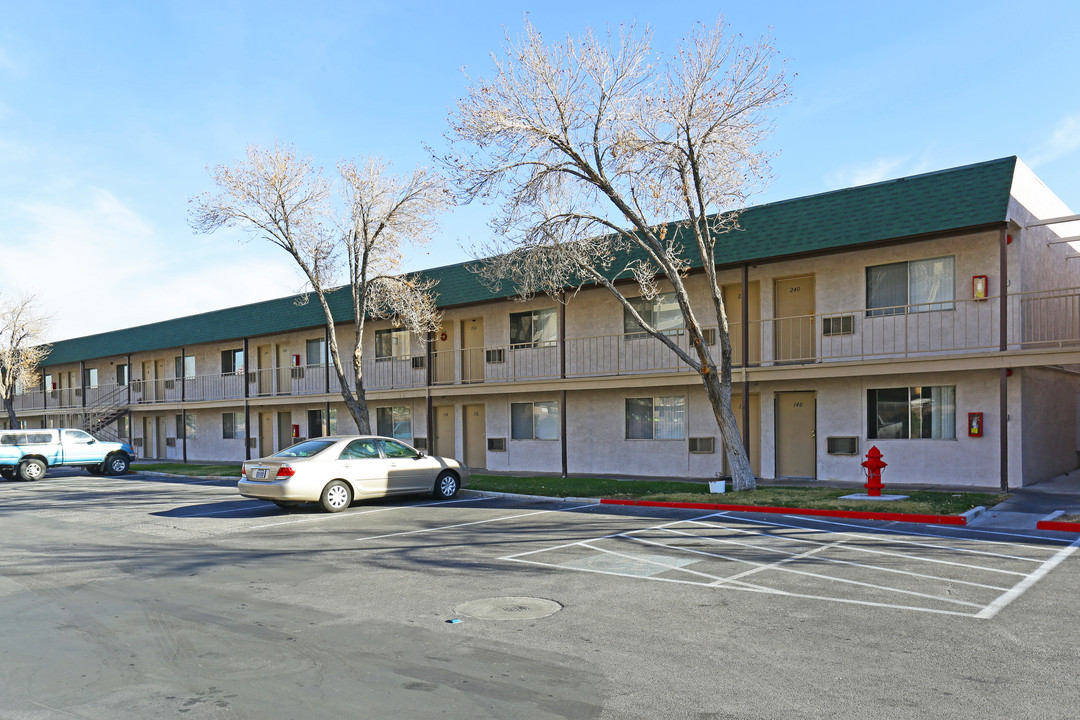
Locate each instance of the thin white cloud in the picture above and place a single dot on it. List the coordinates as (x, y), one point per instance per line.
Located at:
(886, 168)
(96, 265)
(8, 64)
(1064, 140)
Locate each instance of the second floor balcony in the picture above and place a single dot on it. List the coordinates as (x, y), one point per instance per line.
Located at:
(1035, 321)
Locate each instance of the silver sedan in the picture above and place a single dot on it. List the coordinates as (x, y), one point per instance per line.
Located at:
(333, 471)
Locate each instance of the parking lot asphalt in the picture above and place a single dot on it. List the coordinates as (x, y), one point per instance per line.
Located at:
(139, 596)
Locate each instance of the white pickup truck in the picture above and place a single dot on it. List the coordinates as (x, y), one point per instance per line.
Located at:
(27, 454)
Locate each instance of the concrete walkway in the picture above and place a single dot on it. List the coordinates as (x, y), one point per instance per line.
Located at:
(1029, 505)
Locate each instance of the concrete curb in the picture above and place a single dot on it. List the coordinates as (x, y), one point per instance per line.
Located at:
(540, 498)
(850, 514)
(153, 473)
(1050, 522)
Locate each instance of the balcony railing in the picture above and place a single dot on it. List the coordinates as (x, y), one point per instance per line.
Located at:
(1036, 320)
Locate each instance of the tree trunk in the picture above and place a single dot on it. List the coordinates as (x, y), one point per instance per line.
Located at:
(9, 405)
(720, 399)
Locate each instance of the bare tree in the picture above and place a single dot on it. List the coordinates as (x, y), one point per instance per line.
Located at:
(22, 327)
(359, 230)
(613, 162)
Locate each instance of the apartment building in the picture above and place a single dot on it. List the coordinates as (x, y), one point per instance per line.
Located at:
(935, 316)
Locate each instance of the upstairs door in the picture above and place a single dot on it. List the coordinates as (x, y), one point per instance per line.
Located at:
(472, 350)
(285, 371)
(148, 384)
(793, 328)
(733, 305)
(265, 382)
(443, 354)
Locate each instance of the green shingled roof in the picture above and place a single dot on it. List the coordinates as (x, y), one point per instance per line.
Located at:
(963, 197)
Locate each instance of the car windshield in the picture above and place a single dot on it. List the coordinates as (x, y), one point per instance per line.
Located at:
(308, 448)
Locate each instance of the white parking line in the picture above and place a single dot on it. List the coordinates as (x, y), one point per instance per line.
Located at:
(338, 516)
(909, 549)
(951, 548)
(778, 566)
(995, 607)
(847, 545)
(477, 522)
(870, 551)
(966, 529)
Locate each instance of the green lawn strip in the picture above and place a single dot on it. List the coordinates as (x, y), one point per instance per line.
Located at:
(923, 502)
(188, 469)
(1068, 518)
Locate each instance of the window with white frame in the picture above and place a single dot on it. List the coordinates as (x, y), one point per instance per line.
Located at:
(656, 418)
(395, 422)
(534, 328)
(534, 421)
(914, 286)
(927, 412)
(90, 377)
(662, 313)
(184, 366)
(393, 343)
(316, 351)
(232, 361)
(320, 423)
(232, 425)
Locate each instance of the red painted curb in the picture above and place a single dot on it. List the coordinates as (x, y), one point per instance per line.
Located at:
(852, 514)
(1057, 525)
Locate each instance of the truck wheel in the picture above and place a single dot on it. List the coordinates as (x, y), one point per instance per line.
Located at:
(117, 464)
(31, 469)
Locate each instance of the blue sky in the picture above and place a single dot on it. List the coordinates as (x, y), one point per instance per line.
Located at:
(110, 113)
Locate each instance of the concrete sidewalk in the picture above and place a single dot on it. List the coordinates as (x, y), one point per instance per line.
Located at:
(1029, 505)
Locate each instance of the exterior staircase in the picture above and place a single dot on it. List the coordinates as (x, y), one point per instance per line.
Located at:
(99, 418)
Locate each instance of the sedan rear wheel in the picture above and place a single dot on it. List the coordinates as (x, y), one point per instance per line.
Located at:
(336, 496)
(446, 485)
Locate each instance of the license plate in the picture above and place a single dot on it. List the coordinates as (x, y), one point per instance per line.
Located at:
(260, 474)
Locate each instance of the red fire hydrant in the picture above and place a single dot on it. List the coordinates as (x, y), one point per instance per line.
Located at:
(873, 466)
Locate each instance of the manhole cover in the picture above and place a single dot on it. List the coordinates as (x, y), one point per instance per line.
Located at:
(509, 608)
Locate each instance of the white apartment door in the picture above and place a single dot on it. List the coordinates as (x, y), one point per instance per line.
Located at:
(796, 435)
(472, 350)
(793, 338)
(475, 430)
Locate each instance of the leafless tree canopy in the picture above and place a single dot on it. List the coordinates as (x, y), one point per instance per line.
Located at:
(610, 160)
(22, 326)
(351, 230)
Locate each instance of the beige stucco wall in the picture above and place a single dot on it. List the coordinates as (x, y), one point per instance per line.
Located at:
(1049, 417)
